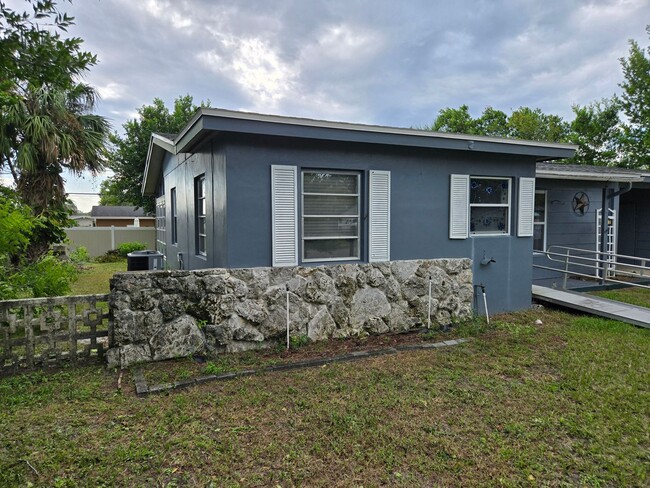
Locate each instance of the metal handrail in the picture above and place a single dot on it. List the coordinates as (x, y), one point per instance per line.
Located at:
(604, 261)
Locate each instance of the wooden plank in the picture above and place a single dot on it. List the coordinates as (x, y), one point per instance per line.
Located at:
(602, 307)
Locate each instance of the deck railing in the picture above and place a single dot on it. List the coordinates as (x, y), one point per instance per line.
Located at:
(605, 266)
(42, 332)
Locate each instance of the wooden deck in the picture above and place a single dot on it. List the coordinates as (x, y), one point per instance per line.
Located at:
(594, 305)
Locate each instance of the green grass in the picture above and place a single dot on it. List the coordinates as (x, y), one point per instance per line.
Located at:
(94, 278)
(562, 404)
(632, 295)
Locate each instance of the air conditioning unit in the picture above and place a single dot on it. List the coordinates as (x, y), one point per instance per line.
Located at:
(144, 261)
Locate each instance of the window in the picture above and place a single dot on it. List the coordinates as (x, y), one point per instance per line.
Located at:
(174, 217)
(200, 212)
(539, 232)
(161, 225)
(330, 215)
(489, 206)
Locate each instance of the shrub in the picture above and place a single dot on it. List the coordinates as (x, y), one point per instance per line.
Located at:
(47, 277)
(80, 255)
(127, 247)
(112, 256)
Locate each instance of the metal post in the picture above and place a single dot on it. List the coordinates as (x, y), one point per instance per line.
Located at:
(287, 317)
(429, 314)
(566, 269)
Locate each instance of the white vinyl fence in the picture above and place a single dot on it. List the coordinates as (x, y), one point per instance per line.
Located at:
(98, 240)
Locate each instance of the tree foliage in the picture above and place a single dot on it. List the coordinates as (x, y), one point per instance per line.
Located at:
(46, 120)
(596, 131)
(32, 51)
(523, 123)
(129, 154)
(635, 103)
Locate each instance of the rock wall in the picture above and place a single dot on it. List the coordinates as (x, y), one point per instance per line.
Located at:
(166, 314)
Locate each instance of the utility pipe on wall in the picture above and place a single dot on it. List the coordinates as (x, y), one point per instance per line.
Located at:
(287, 316)
(429, 313)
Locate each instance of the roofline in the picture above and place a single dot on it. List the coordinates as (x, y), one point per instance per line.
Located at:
(564, 175)
(207, 121)
(158, 145)
(187, 135)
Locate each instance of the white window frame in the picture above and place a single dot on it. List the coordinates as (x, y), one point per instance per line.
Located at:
(303, 216)
(508, 205)
(200, 183)
(545, 222)
(161, 225)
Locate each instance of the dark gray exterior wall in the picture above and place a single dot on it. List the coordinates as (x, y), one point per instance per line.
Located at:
(634, 222)
(419, 205)
(180, 172)
(238, 185)
(564, 226)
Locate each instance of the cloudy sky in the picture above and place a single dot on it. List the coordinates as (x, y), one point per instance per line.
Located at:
(369, 61)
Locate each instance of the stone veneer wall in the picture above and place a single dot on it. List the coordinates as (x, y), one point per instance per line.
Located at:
(165, 314)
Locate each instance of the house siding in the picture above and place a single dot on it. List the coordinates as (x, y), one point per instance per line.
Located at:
(634, 223)
(564, 226)
(419, 205)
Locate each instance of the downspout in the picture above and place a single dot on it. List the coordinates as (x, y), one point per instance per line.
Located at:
(608, 202)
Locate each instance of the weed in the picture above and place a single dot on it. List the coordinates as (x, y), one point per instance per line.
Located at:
(212, 368)
(296, 342)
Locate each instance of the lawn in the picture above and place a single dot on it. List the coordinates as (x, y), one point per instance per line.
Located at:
(566, 403)
(633, 295)
(93, 278)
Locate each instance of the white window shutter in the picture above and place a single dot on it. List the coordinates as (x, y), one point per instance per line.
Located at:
(526, 213)
(284, 210)
(459, 207)
(379, 224)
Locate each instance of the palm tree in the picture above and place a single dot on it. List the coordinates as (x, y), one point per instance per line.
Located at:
(44, 132)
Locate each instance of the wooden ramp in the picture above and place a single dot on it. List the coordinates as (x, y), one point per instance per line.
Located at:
(594, 305)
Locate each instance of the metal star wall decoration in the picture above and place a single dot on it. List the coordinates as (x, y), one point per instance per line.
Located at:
(580, 203)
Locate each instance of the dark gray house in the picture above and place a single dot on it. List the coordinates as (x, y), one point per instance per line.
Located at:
(569, 203)
(248, 190)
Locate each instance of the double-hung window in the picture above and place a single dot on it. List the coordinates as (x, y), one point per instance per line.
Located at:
(330, 215)
(489, 206)
(174, 217)
(539, 224)
(201, 214)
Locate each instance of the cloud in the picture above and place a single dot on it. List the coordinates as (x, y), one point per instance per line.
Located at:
(377, 62)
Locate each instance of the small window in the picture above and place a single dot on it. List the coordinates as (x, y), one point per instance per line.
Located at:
(330, 216)
(489, 205)
(160, 225)
(201, 213)
(539, 224)
(174, 217)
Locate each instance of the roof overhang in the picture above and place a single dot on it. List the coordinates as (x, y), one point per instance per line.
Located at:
(207, 122)
(589, 176)
(158, 146)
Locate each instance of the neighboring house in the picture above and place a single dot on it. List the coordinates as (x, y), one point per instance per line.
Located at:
(568, 201)
(248, 190)
(120, 216)
(82, 220)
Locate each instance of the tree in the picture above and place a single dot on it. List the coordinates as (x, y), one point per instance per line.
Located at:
(32, 51)
(493, 123)
(129, 154)
(596, 131)
(534, 125)
(50, 130)
(455, 120)
(635, 102)
(523, 123)
(46, 123)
